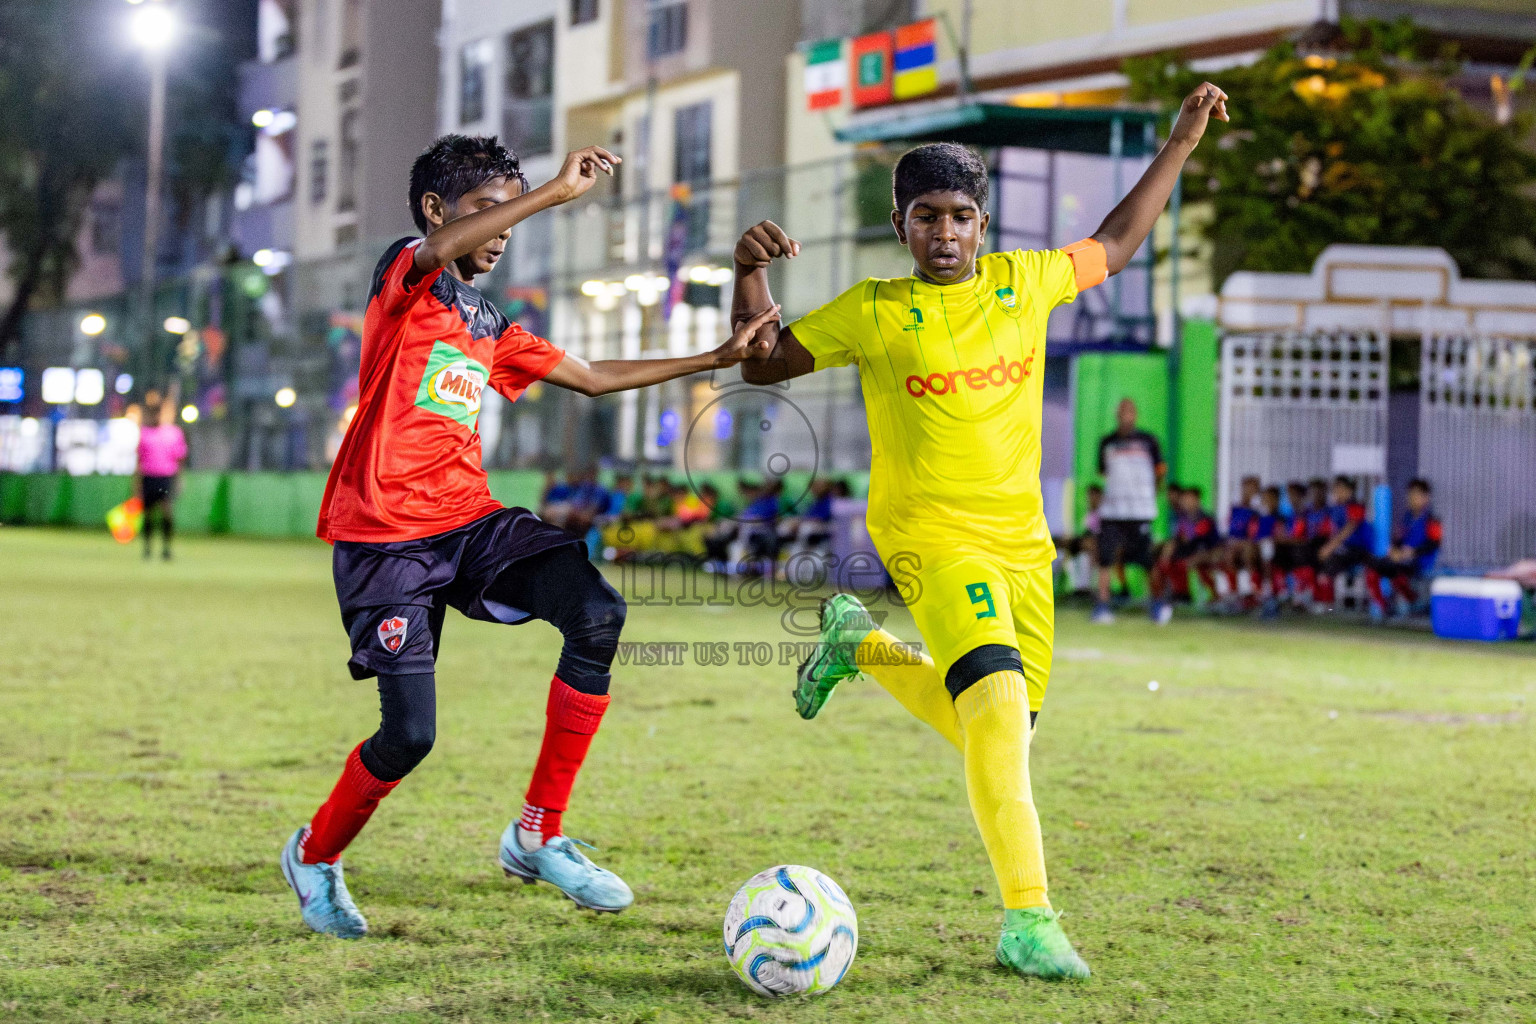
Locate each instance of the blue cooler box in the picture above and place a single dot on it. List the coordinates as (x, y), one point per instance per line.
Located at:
(1466, 608)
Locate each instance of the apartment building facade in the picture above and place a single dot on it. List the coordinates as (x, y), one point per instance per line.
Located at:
(691, 94)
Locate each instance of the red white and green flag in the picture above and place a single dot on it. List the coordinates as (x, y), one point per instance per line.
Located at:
(826, 74)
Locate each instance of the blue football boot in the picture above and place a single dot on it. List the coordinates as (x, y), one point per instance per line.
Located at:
(563, 866)
(324, 902)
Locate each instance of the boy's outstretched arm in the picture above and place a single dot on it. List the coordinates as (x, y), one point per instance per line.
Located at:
(466, 234)
(774, 355)
(609, 375)
(1129, 223)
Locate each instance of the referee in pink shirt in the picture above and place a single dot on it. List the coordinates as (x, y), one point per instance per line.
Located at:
(162, 446)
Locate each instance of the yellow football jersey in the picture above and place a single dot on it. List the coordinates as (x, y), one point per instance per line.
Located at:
(952, 378)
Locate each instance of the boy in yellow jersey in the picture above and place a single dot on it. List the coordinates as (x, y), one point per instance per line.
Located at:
(951, 360)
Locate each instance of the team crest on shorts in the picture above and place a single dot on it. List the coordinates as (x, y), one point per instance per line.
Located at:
(392, 634)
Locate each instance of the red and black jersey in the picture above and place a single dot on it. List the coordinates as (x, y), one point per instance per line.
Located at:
(409, 465)
(1194, 534)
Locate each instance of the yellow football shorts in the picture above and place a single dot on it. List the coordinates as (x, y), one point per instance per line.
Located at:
(961, 602)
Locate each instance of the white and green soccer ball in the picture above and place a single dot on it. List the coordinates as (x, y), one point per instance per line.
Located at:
(791, 930)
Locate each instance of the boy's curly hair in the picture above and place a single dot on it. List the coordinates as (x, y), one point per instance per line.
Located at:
(456, 164)
(939, 167)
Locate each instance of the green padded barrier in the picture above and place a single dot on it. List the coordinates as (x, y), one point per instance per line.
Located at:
(308, 490)
(261, 504)
(517, 487)
(1099, 381)
(1195, 433)
(13, 498)
(92, 496)
(47, 499)
(203, 504)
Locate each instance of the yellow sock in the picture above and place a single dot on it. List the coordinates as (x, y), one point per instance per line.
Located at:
(994, 719)
(915, 684)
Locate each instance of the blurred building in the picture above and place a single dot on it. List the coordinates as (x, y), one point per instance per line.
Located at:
(341, 98)
(691, 93)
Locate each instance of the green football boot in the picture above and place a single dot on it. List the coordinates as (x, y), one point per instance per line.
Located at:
(844, 625)
(1034, 944)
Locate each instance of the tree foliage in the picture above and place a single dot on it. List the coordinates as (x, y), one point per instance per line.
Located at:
(73, 93)
(1364, 142)
(67, 124)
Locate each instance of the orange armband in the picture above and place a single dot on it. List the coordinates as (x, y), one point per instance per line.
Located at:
(1089, 261)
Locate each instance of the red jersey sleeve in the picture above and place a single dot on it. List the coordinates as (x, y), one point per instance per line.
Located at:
(397, 285)
(521, 359)
(1356, 512)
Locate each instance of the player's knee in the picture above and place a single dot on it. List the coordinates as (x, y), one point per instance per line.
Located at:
(599, 620)
(979, 663)
(592, 638)
(395, 754)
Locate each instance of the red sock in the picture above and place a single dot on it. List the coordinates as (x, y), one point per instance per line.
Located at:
(1276, 582)
(1373, 589)
(1207, 578)
(1306, 579)
(570, 720)
(1325, 588)
(343, 815)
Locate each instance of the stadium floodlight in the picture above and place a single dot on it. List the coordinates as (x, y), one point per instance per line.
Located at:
(721, 276)
(271, 261)
(92, 324)
(29, 427)
(616, 289)
(123, 384)
(700, 274)
(153, 26)
(177, 324)
(661, 282)
(12, 383)
(263, 118)
(285, 398)
(635, 282)
(593, 289)
(189, 414)
(58, 385)
(90, 387)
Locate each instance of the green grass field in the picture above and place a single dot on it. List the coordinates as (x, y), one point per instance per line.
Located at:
(1304, 823)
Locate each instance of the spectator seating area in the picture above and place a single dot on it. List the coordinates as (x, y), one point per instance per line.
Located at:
(1309, 546)
(724, 522)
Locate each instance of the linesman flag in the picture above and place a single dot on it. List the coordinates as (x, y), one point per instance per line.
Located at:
(826, 75)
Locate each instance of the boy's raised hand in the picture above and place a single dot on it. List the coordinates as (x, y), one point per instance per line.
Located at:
(579, 172)
(762, 243)
(739, 345)
(1195, 114)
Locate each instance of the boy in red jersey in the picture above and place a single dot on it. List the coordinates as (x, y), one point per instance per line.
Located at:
(415, 528)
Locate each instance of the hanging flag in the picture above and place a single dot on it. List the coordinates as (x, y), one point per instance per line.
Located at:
(872, 69)
(826, 75)
(916, 60)
(676, 246)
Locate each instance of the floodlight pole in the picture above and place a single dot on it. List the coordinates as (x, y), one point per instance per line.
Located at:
(154, 170)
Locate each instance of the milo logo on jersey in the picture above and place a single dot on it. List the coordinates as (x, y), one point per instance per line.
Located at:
(452, 384)
(995, 375)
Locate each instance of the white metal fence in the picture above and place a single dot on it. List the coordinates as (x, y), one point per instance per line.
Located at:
(1477, 445)
(1300, 404)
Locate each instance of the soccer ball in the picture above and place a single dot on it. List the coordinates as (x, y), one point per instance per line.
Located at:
(790, 930)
